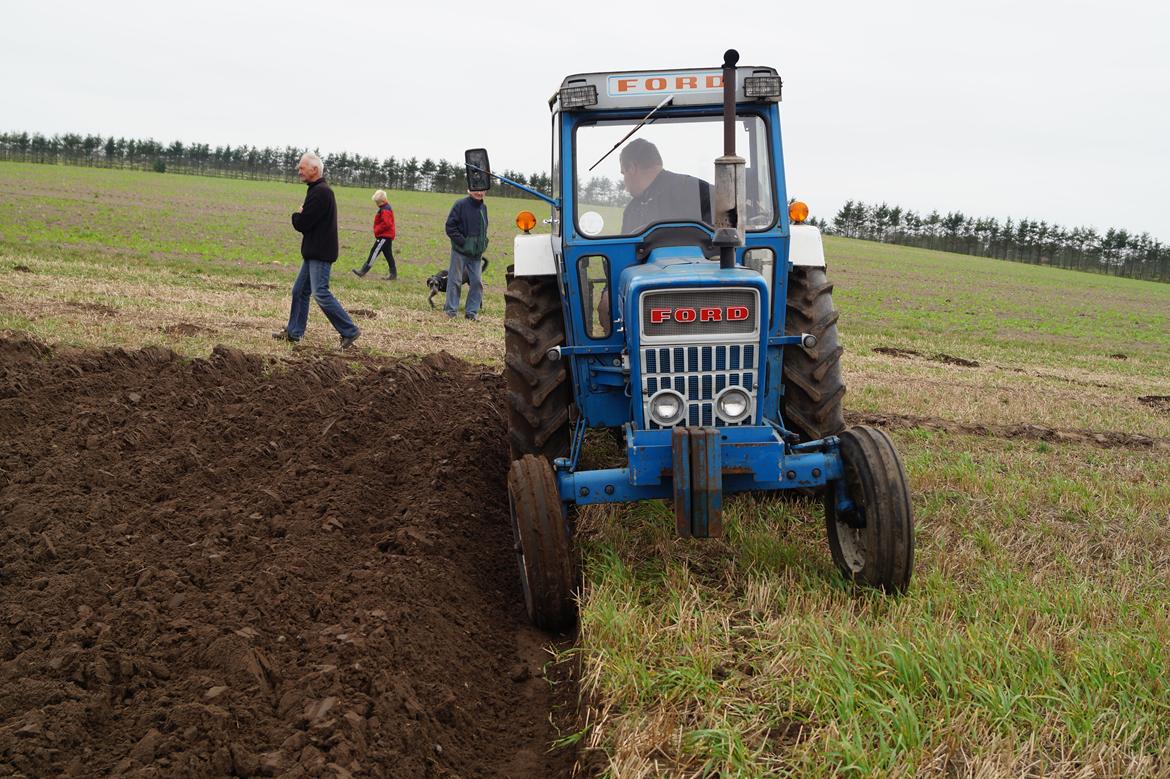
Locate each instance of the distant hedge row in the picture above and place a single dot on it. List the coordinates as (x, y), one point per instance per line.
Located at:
(247, 162)
(1116, 251)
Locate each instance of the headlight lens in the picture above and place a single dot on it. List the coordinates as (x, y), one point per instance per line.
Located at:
(733, 404)
(667, 407)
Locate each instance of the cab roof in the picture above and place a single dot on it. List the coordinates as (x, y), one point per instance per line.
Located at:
(647, 88)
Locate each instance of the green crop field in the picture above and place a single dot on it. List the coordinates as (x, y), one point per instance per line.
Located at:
(1031, 407)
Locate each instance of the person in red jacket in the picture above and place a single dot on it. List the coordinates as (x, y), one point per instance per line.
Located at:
(383, 238)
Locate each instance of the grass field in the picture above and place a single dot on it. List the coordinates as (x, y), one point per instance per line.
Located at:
(1031, 407)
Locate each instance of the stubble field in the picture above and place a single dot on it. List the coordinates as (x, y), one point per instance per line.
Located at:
(1031, 406)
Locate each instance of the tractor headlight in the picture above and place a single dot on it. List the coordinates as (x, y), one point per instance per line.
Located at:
(733, 404)
(667, 407)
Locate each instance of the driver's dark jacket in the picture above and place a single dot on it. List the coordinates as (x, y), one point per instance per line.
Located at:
(670, 197)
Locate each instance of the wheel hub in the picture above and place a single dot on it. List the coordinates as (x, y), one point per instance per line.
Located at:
(853, 547)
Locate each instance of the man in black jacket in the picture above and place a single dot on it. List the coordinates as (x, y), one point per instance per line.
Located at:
(467, 227)
(316, 221)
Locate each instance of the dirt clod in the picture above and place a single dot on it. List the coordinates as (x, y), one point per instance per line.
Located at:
(893, 351)
(1106, 439)
(946, 359)
(952, 360)
(1156, 402)
(186, 329)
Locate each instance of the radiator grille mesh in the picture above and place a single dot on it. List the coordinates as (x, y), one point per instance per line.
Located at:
(699, 372)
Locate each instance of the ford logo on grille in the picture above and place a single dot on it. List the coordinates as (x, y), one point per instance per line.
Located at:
(704, 314)
(700, 312)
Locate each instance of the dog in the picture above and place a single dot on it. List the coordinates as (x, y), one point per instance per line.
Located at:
(437, 282)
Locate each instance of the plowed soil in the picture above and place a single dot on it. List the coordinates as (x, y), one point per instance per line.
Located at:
(242, 566)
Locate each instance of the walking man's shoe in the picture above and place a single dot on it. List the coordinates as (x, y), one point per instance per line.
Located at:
(391, 277)
(347, 340)
(357, 272)
(284, 336)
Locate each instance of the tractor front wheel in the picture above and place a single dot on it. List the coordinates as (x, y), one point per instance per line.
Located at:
(542, 544)
(873, 543)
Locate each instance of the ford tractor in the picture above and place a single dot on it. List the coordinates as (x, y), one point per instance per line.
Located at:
(686, 308)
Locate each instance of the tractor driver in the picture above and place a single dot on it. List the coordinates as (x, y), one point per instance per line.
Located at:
(659, 195)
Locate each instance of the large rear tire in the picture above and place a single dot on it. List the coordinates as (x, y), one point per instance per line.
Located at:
(813, 388)
(874, 543)
(538, 388)
(542, 544)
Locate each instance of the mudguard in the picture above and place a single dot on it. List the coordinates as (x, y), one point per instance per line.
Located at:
(806, 247)
(534, 255)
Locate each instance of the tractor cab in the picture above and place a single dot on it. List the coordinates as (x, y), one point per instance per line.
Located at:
(680, 301)
(638, 241)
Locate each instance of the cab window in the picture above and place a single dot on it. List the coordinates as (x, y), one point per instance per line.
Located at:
(593, 272)
(664, 173)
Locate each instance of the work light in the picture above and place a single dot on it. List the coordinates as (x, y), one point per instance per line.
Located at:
(733, 404)
(579, 97)
(526, 220)
(761, 86)
(667, 407)
(797, 212)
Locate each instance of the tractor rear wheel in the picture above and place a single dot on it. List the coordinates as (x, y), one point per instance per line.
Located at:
(874, 543)
(813, 388)
(542, 544)
(538, 388)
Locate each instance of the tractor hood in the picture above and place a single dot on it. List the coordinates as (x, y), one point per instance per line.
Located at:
(686, 270)
(693, 330)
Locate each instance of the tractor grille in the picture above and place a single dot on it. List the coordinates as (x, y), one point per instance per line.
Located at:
(698, 342)
(699, 372)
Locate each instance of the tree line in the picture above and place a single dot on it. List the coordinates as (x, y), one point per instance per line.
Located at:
(248, 162)
(1115, 251)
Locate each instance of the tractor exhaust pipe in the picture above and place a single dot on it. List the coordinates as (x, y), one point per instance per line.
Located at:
(730, 60)
(730, 188)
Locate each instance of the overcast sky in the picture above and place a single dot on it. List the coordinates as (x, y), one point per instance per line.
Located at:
(1049, 110)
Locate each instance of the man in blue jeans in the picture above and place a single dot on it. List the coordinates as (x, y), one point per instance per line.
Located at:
(467, 227)
(316, 221)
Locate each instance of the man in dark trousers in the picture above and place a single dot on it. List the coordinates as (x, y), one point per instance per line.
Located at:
(316, 221)
(659, 195)
(467, 227)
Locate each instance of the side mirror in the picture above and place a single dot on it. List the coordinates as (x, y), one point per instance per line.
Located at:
(478, 169)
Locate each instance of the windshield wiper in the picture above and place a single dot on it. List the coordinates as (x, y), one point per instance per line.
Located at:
(665, 101)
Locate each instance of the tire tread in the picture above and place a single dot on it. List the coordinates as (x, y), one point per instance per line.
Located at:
(539, 391)
(879, 485)
(547, 560)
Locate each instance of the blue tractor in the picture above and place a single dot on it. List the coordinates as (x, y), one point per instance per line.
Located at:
(692, 317)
